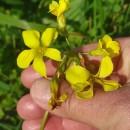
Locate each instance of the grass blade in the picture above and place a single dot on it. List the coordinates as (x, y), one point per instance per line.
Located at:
(9, 20)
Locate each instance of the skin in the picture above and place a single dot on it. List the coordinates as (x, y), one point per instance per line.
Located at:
(105, 111)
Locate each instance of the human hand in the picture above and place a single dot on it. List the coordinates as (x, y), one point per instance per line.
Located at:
(105, 111)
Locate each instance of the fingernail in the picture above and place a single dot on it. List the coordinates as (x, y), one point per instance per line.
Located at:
(40, 92)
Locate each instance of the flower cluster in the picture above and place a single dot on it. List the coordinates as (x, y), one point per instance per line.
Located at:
(72, 66)
(82, 80)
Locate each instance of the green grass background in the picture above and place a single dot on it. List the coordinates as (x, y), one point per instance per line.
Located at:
(87, 21)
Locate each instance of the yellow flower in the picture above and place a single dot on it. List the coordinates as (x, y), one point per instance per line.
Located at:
(58, 10)
(105, 70)
(38, 49)
(78, 77)
(82, 81)
(106, 47)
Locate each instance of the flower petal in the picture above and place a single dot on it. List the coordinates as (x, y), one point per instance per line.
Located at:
(99, 52)
(53, 53)
(63, 6)
(105, 68)
(108, 85)
(39, 65)
(87, 94)
(77, 74)
(113, 48)
(48, 36)
(61, 21)
(62, 98)
(25, 58)
(31, 38)
(80, 86)
(106, 39)
(54, 8)
(99, 44)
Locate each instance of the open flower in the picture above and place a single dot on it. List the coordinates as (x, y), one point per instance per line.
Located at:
(38, 49)
(82, 81)
(106, 47)
(103, 72)
(79, 78)
(58, 10)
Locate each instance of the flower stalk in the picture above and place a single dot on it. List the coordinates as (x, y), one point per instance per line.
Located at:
(44, 120)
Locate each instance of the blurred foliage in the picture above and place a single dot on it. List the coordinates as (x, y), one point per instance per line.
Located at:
(87, 20)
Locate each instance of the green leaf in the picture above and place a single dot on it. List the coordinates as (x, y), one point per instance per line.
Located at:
(76, 12)
(117, 8)
(4, 87)
(11, 21)
(5, 126)
(13, 2)
(1, 113)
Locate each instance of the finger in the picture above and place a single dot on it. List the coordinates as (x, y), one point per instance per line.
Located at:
(124, 42)
(111, 106)
(28, 109)
(29, 75)
(74, 125)
(32, 113)
(51, 124)
(56, 123)
(31, 124)
(121, 71)
(123, 65)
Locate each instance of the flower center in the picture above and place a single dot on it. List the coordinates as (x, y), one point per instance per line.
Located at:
(41, 50)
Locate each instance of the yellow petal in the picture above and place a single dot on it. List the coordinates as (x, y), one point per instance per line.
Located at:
(105, 68)
(87, 94)
(53, 53)
(106, 39)
(113, 48)
(99, 44)
(39, 65)
(54, 87)
(61, 21)
(54, 8)
(48, 36)
(108, 85)
(63, 6)
(62, 98)
(31, 38)
(99, 52)
(25, 58)
(80, 86)
(77, 74)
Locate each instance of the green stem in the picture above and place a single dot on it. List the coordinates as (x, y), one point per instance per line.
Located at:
(44, 120)
(67, 41)
(4, 76)
(95, 15)
(127, 13)
(41, 4)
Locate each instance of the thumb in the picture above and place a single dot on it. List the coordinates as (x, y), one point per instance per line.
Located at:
(103, 111)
